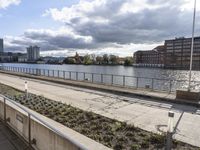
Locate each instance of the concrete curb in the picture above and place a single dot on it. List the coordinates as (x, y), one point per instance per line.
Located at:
(118, 90)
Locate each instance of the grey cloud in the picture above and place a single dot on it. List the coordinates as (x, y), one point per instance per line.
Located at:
(147, 26)
(144, 27)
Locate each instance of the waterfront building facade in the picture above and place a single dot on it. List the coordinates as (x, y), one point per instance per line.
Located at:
(178, 51)
(175, 54)
(33, 53)
(150, 57)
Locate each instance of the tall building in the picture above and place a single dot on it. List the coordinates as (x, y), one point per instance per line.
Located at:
(1, 46)
(33, 53)
(178, 51)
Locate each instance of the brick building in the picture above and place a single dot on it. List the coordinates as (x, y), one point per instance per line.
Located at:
(154, 56)
(175, 54)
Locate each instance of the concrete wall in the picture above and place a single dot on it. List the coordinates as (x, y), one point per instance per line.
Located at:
(45, 138)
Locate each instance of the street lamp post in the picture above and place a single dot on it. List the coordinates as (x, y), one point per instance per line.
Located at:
(26, 89)
(192, 47)
(170, 130)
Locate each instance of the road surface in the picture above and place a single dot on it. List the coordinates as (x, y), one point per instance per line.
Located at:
(147, 114)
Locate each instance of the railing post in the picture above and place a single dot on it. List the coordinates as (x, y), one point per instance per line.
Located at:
(58, 73)
(124, 80)
(48, 72)
(53, 73)
(4, 108)
(112, 79)
(70, 75)
(29, 130)
(101, 78)
(64, 74)
(137, 82)
(92, 77)
(84, 76)
(152, 84)
(170, 86)
(76, 76)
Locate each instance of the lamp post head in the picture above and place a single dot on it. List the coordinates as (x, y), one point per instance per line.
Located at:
(26, 85)
(170, 122)
(171, 114)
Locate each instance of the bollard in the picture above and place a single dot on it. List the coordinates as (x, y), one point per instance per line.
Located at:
(170, 130)
(26, 89)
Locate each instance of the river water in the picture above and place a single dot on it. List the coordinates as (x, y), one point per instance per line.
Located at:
(119, 70)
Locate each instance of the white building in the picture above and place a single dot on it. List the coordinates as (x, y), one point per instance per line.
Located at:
(33, 53)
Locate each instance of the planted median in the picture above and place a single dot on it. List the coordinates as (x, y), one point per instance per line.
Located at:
(112, 133)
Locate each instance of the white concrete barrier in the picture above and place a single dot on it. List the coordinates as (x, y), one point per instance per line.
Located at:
(42, 136)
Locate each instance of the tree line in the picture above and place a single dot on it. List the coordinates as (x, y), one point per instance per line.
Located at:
(98, 60)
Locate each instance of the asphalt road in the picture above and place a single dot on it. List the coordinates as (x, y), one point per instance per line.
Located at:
(145, 113)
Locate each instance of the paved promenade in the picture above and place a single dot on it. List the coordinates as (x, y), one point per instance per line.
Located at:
(145, 113)
(9, 141)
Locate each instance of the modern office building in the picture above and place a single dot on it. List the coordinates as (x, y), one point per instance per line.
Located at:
(33, 53)
(1, 46)
(178, 51)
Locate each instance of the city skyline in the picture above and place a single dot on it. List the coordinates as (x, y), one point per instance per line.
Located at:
(89, 26)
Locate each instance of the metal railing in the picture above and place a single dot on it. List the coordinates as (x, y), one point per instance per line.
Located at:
(31, 116)
(153, 84)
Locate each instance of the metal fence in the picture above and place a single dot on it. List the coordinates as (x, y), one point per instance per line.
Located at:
(32, 116)
(154, 84)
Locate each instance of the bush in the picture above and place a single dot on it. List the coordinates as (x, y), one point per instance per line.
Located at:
(135, 147)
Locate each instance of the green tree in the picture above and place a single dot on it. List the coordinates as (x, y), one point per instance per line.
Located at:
(128, 61)
(114, 59)
(105, 59)
(93, 58)
(87, 60)
(99, 60)
(69, 61)
(72, 61)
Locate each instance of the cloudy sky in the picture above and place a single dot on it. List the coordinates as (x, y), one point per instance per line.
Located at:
(62, 27)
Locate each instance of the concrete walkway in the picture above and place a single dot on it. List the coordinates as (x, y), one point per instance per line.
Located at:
(148, 114)
(120, 90)
(9, 141)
